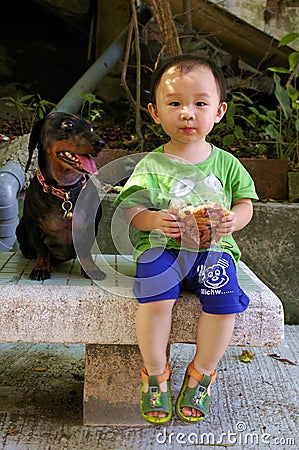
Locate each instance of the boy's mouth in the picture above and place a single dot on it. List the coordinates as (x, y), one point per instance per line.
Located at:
(188, 129)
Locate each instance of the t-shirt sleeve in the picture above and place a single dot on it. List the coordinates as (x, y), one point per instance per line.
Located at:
(242, 184)
(136, 190)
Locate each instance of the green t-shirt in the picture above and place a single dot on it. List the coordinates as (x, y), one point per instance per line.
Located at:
(158, 178)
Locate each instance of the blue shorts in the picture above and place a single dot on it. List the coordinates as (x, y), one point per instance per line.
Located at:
(161, 274)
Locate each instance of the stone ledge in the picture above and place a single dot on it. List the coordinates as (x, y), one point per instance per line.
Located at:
(95, 314)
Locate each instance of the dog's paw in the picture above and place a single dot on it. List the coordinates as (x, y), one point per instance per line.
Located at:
(94, 274)
(40, 274)
(98, 275)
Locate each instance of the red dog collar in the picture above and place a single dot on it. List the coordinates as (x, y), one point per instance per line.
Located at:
(64, 194)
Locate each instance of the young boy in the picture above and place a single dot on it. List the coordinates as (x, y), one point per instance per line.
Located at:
(188, 98)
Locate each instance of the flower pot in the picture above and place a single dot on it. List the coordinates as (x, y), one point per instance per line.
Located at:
(270, 177)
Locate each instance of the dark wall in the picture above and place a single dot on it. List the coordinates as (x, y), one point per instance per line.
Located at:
(40, 52)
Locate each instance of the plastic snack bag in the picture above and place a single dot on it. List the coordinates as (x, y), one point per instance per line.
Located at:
(200, 204)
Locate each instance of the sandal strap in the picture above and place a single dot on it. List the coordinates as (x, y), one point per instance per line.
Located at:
(154, 380)
(196, 398)
(155, 399)
(204, 380)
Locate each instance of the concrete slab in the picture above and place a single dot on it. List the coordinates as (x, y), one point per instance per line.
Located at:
(255, 405)
(69, 308)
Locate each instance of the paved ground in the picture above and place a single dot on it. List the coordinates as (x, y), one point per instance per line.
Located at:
(255, 405)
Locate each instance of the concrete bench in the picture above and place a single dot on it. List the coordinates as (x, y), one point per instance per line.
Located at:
(71, 309)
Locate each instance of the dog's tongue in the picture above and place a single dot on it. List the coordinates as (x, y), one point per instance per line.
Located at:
(87, 163)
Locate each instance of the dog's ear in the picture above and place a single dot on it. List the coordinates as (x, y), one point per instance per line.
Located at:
(34, 140)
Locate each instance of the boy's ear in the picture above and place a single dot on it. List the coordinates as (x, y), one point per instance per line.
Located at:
(153, 112)
(221, 111)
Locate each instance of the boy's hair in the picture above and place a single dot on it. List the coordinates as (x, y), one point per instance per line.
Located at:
(185, 63)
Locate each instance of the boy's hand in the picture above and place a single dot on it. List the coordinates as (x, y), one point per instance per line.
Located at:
(240, 215)
(227, 225)
(147, 220)
(167, 223)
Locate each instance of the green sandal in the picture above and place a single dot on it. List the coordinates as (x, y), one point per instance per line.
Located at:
(197, 397)
(154, 399)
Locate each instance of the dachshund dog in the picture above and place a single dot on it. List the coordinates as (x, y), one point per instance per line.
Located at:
(66, 146)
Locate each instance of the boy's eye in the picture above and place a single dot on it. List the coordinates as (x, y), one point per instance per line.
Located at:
(174, 104)
(200, 104)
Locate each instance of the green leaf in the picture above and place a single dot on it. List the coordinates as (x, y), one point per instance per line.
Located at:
(241, 96)
(292, 92)
(287, 39)
(238, 132)
(25, 98)
(282, 96)
(294, 61)
(297, 124)
(9, 102)
(219, 126)
(278, 69)
(231, 110)
(273, 133)
(230, 122)
(272, 117)
(229, 139)
(257, 113)
(251, 120)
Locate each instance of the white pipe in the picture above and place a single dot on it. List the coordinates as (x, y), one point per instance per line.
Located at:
(12, 179)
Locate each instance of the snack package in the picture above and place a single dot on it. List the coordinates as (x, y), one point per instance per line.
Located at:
(200, 205)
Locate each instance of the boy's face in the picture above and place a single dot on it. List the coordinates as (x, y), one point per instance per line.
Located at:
(187, 104)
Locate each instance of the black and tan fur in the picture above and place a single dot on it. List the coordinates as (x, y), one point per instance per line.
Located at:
(66, 147)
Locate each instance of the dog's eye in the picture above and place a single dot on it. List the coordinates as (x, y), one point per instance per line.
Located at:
(67, 124)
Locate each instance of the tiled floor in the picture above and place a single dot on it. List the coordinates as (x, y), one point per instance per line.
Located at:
(15, 269)
(119, 269)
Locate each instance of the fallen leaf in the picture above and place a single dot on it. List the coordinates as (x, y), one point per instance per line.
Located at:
(41, 369)
(274, 355)
(283, 360)
(246, 356)
(287, 361)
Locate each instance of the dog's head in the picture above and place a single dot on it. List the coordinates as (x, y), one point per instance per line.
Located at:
(67, 140)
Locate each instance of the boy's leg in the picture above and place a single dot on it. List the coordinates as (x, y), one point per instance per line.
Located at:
(153, 324)
(156, 286)
(213, 336)
(217, 286)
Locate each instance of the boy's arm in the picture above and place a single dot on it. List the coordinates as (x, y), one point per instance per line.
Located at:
(240, 215)
(146, 220)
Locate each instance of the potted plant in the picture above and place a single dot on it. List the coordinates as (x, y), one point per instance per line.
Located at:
(265, 139)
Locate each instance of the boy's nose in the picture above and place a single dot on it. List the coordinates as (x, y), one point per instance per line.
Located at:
(187, 114)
